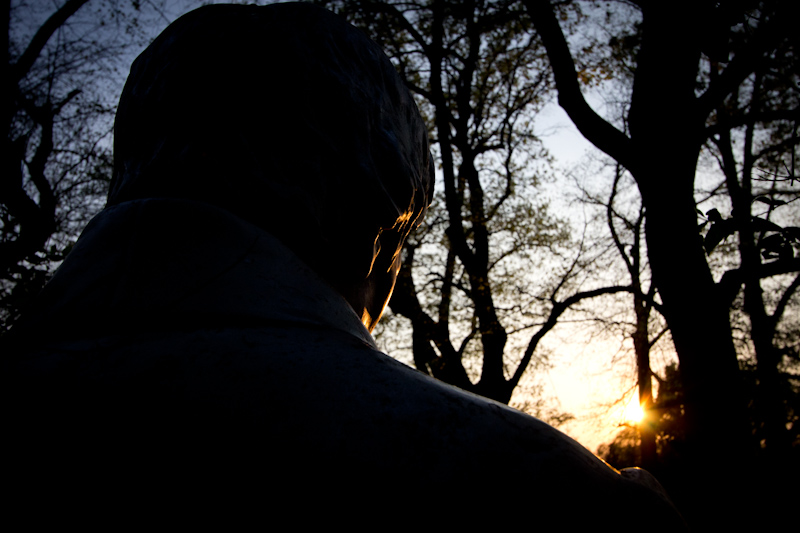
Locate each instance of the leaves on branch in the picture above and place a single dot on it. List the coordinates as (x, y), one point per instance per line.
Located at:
(772, 202)
(761, 225)
(714, 216)
(777, 245)
(792, 233)
(720, 230)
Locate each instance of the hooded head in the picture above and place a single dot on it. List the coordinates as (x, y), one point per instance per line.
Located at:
(290, 118)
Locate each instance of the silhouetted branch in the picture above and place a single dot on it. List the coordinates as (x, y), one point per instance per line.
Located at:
(784, 301)
(732, 280)
(56, 20)
(602, 134)
(556, 311)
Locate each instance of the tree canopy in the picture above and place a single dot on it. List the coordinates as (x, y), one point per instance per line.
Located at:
(476, 309)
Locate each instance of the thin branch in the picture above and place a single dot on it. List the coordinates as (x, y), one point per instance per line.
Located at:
(555, 313)
(23, 65)
(784, 301)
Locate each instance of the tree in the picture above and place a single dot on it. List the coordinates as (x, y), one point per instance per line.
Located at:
(623, 218)
(64, 68)
(754, 145)
(760, 189)
(686, 67)
(466, 285)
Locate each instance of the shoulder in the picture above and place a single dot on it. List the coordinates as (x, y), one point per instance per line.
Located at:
(312, 410)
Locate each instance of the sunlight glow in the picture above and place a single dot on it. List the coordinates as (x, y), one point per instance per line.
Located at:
(633, 412)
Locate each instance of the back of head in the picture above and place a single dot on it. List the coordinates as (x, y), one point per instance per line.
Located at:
(285, 115)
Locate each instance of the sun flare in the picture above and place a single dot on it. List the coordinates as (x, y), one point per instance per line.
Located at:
(634, 412)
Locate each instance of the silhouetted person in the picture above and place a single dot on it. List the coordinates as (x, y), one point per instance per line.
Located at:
(208, 339)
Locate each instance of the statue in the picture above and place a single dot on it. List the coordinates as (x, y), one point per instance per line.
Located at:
(209, 334)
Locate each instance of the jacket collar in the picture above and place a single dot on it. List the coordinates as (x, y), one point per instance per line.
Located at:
(161, 263)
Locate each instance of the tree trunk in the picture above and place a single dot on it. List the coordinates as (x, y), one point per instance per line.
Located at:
(667, 133)
(641, 345)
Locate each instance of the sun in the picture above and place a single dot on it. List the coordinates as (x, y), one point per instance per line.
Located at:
(633, 412)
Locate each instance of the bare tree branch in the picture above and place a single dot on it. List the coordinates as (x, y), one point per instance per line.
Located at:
(43, 34)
